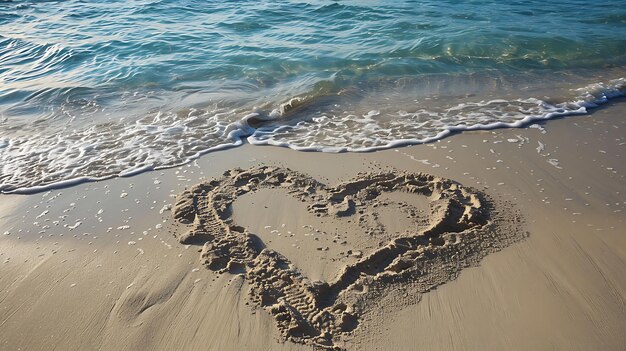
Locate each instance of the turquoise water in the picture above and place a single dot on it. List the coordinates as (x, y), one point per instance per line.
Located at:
(94, 89)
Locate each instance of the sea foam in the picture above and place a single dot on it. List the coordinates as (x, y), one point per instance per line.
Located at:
(35, 164)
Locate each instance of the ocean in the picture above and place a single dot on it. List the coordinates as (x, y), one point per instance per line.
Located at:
(91, 90)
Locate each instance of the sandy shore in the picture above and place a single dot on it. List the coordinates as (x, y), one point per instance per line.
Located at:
(99, 266)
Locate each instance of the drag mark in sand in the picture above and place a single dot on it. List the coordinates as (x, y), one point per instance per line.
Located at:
(463, 226)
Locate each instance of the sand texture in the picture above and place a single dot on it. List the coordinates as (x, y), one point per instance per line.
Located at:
(459, 230)
(509, 239)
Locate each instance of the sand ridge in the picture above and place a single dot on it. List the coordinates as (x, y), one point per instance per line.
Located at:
(463, 226)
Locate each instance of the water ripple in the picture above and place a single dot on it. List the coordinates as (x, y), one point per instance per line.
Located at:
(82, 82)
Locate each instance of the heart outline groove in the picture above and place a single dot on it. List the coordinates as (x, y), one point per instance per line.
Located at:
(464, 226)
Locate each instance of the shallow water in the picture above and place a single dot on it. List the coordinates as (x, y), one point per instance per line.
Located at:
(96, 89)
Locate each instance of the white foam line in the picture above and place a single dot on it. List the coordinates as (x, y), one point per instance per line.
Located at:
(56, 185)
(135, 171)
(241, 129)
(586, 100)
(404, 142)
(66, 183)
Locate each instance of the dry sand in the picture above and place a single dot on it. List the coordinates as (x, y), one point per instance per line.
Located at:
(99, 266)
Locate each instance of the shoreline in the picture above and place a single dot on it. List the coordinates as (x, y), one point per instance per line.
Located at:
(136, 287)
(241, 132)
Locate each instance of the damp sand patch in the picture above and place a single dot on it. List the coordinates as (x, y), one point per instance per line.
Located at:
(460, 226)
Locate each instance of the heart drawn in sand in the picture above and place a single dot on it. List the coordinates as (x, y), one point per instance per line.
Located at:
(463, 227)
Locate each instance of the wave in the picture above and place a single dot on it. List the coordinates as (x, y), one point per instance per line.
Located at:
(321, 120)
(373, 131)
(25, 63)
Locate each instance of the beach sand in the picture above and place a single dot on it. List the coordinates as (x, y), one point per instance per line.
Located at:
(99, 266)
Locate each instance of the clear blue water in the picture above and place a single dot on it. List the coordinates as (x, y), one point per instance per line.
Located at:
(94, 89)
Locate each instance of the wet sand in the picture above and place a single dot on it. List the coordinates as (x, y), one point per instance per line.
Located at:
(100, 265)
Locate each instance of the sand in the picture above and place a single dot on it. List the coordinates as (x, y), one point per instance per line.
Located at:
(540, 210)
(459, 227)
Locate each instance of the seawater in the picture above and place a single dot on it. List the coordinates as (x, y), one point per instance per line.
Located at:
(97, 89)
